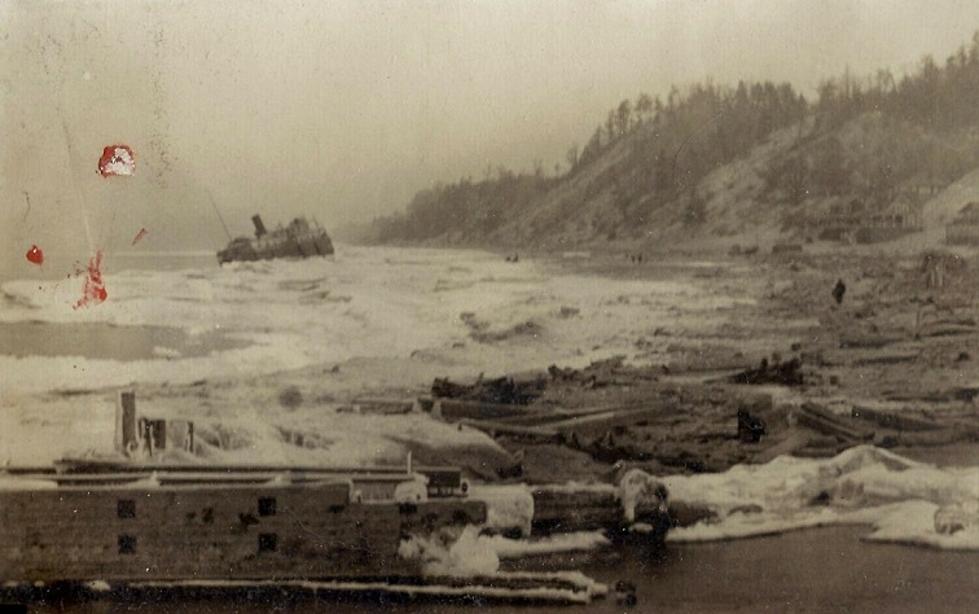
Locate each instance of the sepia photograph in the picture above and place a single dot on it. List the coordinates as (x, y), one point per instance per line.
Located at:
(516, 305)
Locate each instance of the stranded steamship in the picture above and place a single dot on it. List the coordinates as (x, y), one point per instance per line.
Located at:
(299, 239)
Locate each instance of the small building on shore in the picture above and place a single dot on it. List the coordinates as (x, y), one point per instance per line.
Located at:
(964, 229)
(856, 222)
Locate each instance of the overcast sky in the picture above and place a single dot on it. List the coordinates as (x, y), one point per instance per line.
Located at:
(343, 110)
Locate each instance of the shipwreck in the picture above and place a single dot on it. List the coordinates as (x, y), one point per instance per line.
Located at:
(299, 239)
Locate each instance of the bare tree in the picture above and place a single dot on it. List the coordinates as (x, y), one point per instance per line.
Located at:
(644, 107)
(572, 156)
(623, 117)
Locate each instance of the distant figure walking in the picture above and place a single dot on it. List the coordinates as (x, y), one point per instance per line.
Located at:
(838, 291)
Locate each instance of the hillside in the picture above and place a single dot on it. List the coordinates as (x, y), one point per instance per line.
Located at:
(753, 164)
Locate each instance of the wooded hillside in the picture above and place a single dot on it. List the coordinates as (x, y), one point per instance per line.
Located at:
(719, 161)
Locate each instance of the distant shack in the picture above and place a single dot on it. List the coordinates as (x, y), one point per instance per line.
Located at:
(964, 229)
(856, 222)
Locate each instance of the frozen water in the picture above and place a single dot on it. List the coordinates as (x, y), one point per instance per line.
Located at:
(376, 302)
(393, 302)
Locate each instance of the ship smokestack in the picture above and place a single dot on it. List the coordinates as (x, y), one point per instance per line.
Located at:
(259, 226)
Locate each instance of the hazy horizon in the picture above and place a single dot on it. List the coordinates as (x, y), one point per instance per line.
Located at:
(343, 110)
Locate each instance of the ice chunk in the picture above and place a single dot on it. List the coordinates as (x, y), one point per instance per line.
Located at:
(508, 507)
(413, 491)
(447, 552)
(961, 516)
(637, 486)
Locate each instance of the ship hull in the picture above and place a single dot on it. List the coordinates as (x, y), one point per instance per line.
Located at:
(298, 240)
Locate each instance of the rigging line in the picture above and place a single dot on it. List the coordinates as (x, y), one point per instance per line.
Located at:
(220, 219)
(80, 193)
(78, 190)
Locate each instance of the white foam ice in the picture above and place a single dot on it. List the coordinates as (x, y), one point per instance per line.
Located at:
(506, 548)
(902, 500)
(468, 552)
(165, 352)
(366, 302)
(449, 553)
(18, 483)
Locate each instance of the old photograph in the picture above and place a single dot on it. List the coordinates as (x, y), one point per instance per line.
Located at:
(517, 305)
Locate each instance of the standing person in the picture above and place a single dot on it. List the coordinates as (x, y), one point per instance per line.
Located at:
(838, 291)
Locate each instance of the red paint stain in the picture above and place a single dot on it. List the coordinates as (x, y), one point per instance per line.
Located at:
(35, 255)
(139, 235)
(94, 288)
(117, 160)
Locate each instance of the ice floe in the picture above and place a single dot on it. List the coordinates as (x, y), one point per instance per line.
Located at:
(377, 302)
(901, 500)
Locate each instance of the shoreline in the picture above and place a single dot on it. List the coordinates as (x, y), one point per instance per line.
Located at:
(777, 307)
